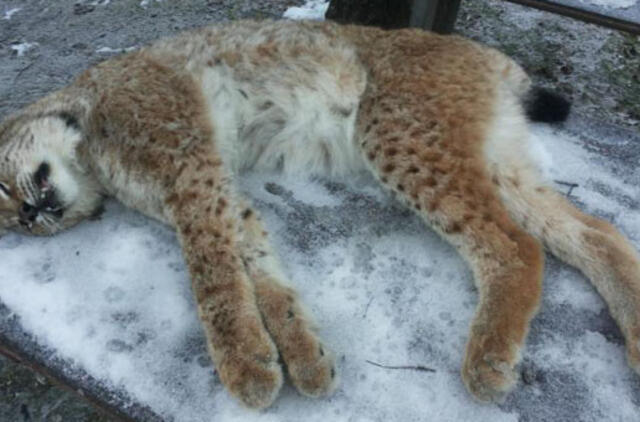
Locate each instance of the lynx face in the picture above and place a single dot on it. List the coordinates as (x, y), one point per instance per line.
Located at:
(42, 188)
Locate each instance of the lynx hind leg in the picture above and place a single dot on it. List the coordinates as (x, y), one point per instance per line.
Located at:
(311, 366)
(443, 177)
(592, 245)
(507, 264)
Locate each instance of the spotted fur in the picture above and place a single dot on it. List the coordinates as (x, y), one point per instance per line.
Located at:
(437, 120)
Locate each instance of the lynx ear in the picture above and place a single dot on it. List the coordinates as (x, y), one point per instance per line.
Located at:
(73, 105)
(70, 104)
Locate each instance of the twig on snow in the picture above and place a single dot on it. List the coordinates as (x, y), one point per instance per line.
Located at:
(21, 71)
(571, 186)
(364, 315)
(407, 367)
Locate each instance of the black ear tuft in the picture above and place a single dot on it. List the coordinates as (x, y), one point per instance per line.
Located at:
(544, 105)
(70, 120)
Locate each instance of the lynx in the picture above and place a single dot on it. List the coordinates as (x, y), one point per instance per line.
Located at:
(440, 121)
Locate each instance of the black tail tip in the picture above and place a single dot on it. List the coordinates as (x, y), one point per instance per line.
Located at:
(544, 105)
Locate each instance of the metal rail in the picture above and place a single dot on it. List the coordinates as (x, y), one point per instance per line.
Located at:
(583, 15)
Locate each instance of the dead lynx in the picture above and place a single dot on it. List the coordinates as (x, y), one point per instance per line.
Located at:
(440, 121)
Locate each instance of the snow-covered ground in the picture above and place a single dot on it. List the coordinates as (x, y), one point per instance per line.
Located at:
(615, 4)
(112, 298)
(109, 50)
(312, 9)
(10, 12)
(623, 9)
(21, 48)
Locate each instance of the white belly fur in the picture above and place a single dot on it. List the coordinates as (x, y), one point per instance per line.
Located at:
(275, 124)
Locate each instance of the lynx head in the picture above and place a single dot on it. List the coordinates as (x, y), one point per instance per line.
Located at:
(43, 186)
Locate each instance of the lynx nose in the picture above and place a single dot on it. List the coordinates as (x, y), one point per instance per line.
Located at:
(27, 213)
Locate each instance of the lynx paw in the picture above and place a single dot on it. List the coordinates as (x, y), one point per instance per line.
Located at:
(489, 378)
(313, 371)
(310, 365)
(256, 382)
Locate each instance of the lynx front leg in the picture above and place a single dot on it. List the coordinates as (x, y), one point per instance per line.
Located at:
(310, 365)
(156, 145)
(438, 171)
(204, 212)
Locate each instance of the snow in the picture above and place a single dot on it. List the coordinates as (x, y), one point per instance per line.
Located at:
(99, 2)
(10, 12)
(22, 48)
(113, 298)
(109, 50)
(628, 10)
(613, 4)
(312, 9)
(145, 3)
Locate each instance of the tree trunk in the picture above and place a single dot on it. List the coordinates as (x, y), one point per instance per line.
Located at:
(435, 15)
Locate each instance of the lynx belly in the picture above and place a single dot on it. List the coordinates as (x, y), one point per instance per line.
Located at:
(298, 119)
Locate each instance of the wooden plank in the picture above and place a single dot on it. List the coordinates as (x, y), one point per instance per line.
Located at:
(15, 355)
(19, 346)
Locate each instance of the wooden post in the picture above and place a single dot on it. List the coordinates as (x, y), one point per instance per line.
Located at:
(435, 15)
(387, 14)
